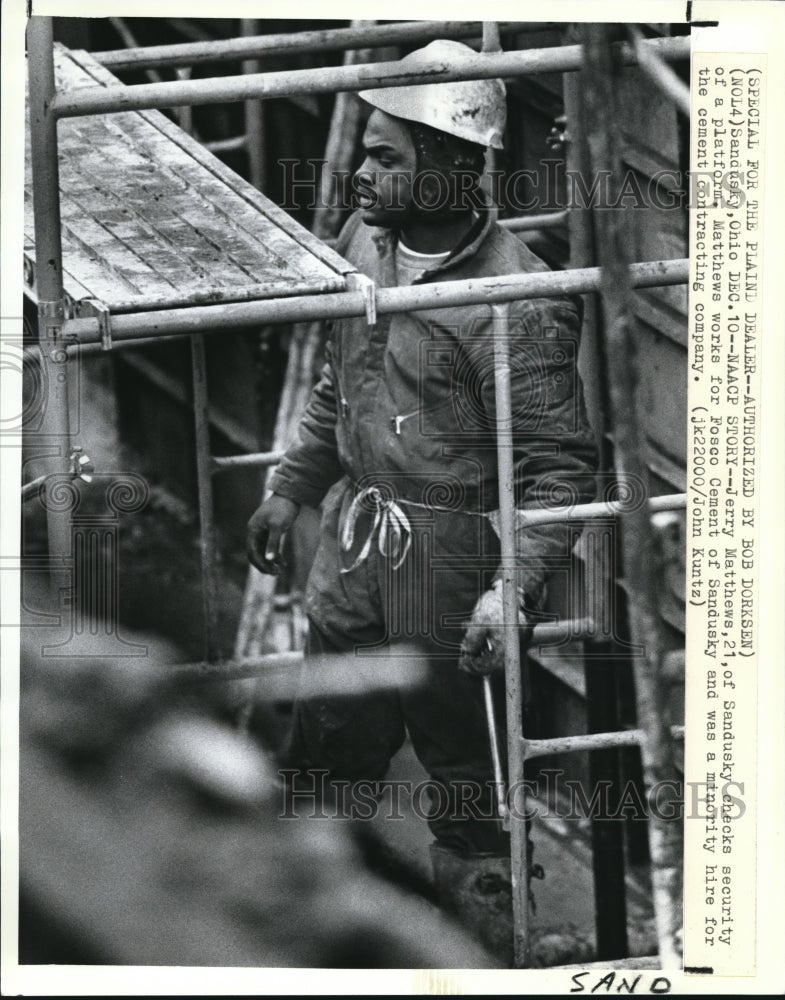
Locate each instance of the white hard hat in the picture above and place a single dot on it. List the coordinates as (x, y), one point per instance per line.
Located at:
(475, 110)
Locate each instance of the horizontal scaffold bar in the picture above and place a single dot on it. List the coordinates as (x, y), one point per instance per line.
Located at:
(32, 488)
(329, 40)
(589, 741)
(270, 665)
(329, 79)
(587, 511)
(273, 666)
(545, 220)
(259, 458)
(307, 308)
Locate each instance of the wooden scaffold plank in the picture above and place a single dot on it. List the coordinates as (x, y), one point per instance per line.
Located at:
(152, 220)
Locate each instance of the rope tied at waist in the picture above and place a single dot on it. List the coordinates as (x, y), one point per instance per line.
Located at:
(389, 521)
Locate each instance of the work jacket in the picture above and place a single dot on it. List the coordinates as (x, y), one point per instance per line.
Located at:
(408, 405)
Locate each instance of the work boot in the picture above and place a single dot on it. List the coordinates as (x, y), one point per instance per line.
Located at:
(477, 890)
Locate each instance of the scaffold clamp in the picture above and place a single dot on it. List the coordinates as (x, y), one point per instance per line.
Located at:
(361, 283)
(104, 318)
(81, 466)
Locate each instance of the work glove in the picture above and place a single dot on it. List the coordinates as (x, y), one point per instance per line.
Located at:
(482, 649)
(267, 530)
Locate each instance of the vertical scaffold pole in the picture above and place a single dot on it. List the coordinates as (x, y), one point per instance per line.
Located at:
(204, 482)
(491, 42)
(340, 147)
(49, 290)
(512, 653)
(254, 115)
(600, 96)
(601, 665)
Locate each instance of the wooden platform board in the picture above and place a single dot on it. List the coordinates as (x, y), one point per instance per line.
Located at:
(152, 220)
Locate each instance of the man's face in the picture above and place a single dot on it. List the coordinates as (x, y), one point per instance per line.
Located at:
(383, 183)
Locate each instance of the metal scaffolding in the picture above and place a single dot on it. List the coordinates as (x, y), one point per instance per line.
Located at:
(61, 336)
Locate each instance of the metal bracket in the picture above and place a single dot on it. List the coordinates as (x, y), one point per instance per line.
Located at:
(105, 327)
(29, 274)
(81, 466)
(559, 136)
(50, 309)
(104, 317)
(357, 282)
(50, 323)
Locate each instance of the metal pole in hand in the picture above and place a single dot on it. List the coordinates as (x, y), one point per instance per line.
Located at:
(512, 657)
(493, 733)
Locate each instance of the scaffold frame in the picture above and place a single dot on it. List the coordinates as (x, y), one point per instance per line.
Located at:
(61, 337)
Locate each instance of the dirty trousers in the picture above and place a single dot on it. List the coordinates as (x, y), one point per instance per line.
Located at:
(384, 619)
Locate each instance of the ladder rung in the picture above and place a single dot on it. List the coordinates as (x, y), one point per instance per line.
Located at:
(589, 741)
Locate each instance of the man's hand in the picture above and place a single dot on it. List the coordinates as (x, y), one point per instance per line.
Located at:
(482, 649)
(267, 532)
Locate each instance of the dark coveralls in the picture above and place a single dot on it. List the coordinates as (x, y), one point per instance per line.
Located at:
(398, 441)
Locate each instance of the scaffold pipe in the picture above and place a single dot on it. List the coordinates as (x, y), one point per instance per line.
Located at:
(590, 741)
(331, 40)
(337, 305)
(329, 79)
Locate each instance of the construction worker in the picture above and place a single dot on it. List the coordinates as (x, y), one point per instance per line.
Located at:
(398, 444)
